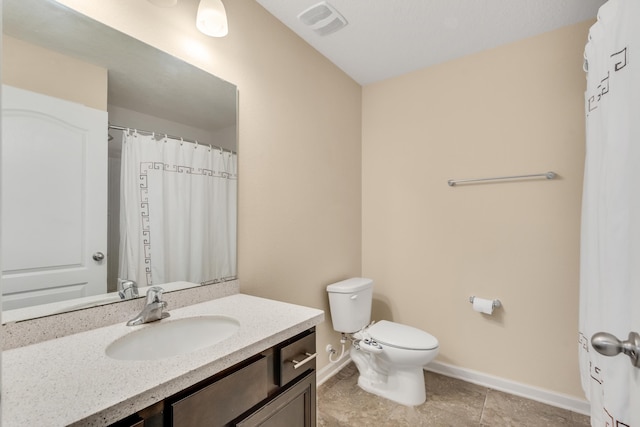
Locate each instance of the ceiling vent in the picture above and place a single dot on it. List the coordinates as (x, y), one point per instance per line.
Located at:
(323, 18)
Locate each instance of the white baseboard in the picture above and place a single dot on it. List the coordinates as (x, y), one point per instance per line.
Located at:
(548, 397)
(331, 369)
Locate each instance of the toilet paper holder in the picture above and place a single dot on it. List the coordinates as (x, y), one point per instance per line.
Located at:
(495, 304)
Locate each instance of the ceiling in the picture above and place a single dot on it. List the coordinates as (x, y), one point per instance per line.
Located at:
(388, 38)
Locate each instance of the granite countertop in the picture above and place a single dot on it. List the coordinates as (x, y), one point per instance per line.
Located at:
(71, 381)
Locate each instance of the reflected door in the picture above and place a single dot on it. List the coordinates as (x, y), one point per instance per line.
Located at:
(54, 199)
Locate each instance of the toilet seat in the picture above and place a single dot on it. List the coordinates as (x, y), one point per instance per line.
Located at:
(401, 336)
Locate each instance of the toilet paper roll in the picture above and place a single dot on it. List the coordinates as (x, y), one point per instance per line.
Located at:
(482, 305)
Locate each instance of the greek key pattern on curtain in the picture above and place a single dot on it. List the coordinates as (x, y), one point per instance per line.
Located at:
(184, 198)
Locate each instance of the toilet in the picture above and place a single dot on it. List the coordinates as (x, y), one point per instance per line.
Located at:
(389, 356)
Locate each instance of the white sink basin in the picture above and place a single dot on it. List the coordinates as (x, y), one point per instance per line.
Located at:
(166, 338)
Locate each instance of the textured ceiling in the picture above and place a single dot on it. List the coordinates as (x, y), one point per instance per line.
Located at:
(387, 38)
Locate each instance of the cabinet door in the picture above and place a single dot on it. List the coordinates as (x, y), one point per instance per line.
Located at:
(295, 407)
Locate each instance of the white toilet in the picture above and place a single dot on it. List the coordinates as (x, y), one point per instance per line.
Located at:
(389, 356)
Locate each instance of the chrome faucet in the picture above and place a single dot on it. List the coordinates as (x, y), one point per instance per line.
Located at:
(127, 289)
(153, 309)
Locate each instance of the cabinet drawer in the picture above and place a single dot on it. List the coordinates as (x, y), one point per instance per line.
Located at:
(132, 421)
(222, 401)
(297, 357)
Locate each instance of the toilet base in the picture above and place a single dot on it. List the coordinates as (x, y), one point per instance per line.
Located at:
(403, 385)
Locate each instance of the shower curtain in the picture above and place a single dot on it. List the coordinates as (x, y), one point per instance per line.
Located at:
(610, 241)
(178, 211)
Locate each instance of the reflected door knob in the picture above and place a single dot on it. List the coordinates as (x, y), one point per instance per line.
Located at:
(608, 345)
(98, 256)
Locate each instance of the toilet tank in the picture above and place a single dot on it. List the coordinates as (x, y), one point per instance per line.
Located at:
(350, 304)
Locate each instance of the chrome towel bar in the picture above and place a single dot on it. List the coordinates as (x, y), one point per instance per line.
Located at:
(547, 175)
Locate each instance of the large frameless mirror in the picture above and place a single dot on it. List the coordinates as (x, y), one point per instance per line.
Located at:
(119, 165)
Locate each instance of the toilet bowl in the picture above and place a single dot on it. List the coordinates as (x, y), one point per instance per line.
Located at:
(389, 356)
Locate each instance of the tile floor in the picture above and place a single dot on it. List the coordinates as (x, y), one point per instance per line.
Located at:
(450, 402)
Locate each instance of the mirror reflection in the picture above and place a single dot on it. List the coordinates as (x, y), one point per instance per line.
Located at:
(119, 167)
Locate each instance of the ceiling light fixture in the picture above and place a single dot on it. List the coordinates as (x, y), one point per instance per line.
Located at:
(323, 18)
(212, 18)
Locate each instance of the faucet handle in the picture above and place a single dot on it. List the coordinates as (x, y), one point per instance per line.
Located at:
(154, 294)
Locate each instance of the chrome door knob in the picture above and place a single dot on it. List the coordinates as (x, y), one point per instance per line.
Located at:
(608, 345)
(98, 256)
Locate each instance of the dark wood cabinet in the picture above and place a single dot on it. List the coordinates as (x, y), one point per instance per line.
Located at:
(295, 356)
(276, 388)
(295, 406)
(132, 421)
(217, 404)
(152, 416)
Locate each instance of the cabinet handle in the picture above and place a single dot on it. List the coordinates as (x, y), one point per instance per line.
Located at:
(297, 364)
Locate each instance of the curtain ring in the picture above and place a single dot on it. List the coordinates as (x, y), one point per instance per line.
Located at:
(209, 147)
(196, 147)
(181, 141)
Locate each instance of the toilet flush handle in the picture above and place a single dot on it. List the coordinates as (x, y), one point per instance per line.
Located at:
(354, 296)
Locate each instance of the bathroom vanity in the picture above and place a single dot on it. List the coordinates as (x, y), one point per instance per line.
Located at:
(247, 379)
(276, 387)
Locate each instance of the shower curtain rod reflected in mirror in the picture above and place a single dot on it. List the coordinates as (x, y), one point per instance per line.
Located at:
(148, 132)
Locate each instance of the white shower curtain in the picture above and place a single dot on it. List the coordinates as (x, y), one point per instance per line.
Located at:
(610, 244)
(178, 211)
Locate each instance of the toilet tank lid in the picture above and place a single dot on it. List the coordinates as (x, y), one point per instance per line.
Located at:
(348, 286)
(402, 336)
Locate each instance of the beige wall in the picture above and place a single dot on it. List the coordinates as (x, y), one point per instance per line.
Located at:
(517, 109)
(299, 145)
(40, 70)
